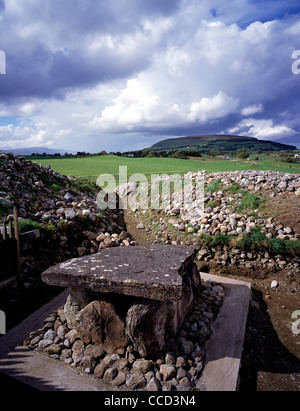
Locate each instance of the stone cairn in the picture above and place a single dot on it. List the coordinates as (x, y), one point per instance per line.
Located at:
(65, 210)
(177, 224)
(136, 318)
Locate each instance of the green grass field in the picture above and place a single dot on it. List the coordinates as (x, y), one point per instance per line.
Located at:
(91, 167)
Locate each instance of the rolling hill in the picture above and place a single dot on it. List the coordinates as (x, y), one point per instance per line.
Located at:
(222, 143)
(293, 140)
(28, 151)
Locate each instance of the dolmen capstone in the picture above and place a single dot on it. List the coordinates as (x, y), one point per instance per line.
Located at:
(138, 295)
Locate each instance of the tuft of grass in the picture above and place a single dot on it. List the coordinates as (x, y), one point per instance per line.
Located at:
(256, 241)
(209, 241)
(211, 204)
(250, 201)
(3, 163)
(277, 246)
(50, 228)
(28, 225)
(293, 248)
(253, 241)
(214, 186)
(235, 188)
(284, 247)
(56, 188)
(45, 179)
(220, 240)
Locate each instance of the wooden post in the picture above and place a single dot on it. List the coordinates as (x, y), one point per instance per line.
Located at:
(17, 237)
(4, 229)
(10, 228)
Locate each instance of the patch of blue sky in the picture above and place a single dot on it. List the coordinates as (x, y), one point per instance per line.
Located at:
(6, 121)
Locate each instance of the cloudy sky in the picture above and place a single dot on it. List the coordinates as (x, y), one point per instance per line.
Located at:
(120, 75)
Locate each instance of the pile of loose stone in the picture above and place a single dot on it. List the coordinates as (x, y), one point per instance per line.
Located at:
(178, 368)
(66, 209)
(101, 239)
(249, 260)
(42, 193)
(224, 218)
(46, 196)
(221, 216)
(256, 180)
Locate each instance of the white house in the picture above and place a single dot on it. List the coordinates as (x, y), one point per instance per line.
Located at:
(297, 155)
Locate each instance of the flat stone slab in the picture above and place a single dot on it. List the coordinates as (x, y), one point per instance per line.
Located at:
(154, 272)
(224, 348)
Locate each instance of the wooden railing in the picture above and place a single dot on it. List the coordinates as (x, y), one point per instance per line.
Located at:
(10, 258)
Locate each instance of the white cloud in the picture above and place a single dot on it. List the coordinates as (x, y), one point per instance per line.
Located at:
(17, 136)
(28, 109)
(136, 105)
(254, 109)
(218, 106)
(265, 129)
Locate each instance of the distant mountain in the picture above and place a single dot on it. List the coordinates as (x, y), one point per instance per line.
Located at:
(295, 140)
(30, 150)
(223, 143)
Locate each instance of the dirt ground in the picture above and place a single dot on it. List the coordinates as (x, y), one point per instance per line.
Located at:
(286, 208)
(271, 357)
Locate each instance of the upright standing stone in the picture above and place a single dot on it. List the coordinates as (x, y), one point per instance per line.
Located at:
(99, 323)
(77, 300)
(146, 326)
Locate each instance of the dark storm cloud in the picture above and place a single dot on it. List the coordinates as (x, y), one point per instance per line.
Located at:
(98, 16)
(77, 70)
(46, 44)
(42, 73)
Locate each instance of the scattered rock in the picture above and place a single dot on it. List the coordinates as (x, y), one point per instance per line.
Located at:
(53, 349)
(110, 374)
(153, 385)
(120, 379)
(142, 365)
(167, 371)
(136, 381)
